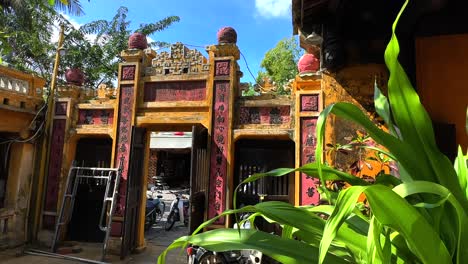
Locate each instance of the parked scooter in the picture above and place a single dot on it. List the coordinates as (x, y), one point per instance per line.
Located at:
(179, 211)
(200, 255)
(154, 208)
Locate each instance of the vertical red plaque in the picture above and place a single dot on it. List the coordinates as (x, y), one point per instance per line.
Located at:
(55, 166)
(123, 145)
(219, 150)
(309, 193)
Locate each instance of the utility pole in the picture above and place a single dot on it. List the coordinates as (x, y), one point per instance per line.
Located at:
(45, 148)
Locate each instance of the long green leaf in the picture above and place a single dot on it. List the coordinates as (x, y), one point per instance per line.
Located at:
(311, 169)
(462, 170)
(344, 206)
(415, 124)
(382, 107)
(352, 233)
(460, 221)
(402, 151)
(391, 210)
(286, 251)
(373, 241)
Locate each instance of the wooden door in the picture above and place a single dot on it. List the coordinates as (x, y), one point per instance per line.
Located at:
(134, 182)
(199, 174)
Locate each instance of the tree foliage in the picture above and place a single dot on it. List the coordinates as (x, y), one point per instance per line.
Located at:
(279, 63)
(94, 47)
(26, 31)
(99, 58)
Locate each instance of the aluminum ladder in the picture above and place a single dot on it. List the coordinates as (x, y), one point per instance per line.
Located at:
(77, 175)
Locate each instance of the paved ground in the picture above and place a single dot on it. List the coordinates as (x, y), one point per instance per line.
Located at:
(157, 241)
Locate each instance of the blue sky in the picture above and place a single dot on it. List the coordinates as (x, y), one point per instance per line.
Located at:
(260, 24)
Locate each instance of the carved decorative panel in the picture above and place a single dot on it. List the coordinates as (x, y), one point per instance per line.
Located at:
(175, 91)
(124, 141)
(219, 150)
(96, 117)
(180, 60)
(222, 68)
(310, 103)
(264, 115)
(55, 164)
(61, 108)
(128, 73)
(309, 193)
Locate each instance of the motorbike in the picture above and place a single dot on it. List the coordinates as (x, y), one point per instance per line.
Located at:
(155, 208)
(200, 255)
(179, 211)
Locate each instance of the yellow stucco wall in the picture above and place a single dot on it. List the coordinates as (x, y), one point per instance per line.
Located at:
(442, 66)
(18, 192)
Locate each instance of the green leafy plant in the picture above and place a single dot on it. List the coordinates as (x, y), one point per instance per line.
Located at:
(419, 218)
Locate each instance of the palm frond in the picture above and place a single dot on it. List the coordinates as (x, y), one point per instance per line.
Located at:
(73, 7)
(162, 24)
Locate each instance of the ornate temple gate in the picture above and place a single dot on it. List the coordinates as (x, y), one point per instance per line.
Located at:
(181, 90)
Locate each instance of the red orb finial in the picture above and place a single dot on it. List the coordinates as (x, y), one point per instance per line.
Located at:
(308, 63)
(227, 35)
(74, 76)
(137, 41)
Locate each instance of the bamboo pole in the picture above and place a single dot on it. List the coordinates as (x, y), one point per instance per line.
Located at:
(46, 138)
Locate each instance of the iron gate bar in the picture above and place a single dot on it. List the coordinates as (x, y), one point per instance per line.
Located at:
(80, 174)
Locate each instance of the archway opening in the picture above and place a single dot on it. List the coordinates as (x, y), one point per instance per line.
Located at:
(84, 224)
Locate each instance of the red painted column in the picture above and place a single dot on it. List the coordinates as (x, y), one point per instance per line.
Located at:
(309, 104)
(219, 150)
(309, 193)
(124, 140)
(55, 164)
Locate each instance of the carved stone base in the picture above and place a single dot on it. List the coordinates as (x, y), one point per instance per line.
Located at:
(113, 245)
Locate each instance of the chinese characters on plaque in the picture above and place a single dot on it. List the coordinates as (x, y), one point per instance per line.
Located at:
(219, 149)
(175, 91)
(309, 194)
(124, 141)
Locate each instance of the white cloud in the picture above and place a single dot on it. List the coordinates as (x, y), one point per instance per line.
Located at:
(273, 8)
(56, 26)
(75, 25)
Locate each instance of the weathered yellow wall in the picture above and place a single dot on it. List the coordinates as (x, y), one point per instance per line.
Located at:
(442, 67)
(15, 122)
(18, 106)
(354, 84)
(18, 191)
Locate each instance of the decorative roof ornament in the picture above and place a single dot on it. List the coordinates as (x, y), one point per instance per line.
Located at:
(308, 63)
(227, 35)
(137, 41)
(74, 76)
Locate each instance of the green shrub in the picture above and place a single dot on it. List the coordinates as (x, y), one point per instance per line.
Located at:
(423, 219)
